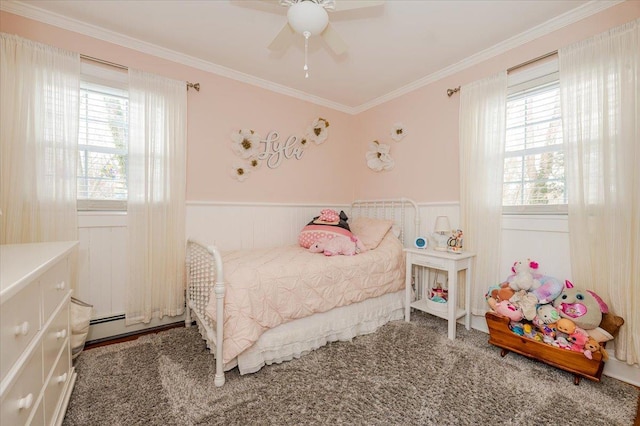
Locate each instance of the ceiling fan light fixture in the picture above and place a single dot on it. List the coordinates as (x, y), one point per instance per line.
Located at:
(308, 16)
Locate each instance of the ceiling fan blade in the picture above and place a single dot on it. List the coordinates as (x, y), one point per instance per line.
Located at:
(333, 39)
(283, 39)
(341, 5)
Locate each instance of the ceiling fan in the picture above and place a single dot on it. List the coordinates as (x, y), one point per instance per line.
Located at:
(309, 18)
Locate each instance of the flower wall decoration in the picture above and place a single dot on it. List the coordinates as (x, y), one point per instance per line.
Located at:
(254, 163)
(318, 131)
(398, 132)
(304, 142)
(240, 171)
(379, 154)
(246, 143)
(378, 157)
(254, 150)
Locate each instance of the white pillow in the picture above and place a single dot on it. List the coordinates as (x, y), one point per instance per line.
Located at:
(370, 231)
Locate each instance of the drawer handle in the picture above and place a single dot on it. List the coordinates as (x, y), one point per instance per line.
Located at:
(26, 402)
(62, 378)
(61, 334)
(22, 329)
(61, 285)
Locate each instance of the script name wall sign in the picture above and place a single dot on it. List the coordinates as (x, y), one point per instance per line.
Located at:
(275, 151)
(253, 150)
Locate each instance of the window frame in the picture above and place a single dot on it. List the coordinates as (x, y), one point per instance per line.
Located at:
(116, 79)
(530, 78)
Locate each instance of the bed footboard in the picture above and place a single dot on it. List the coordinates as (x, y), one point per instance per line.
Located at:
(204, 273)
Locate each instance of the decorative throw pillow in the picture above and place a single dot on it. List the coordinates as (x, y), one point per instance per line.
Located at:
(370, 231)
(312, 233)
(327, 225)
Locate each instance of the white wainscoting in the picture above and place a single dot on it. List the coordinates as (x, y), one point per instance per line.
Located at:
(231, 226)
(102, 262)
(542, 238)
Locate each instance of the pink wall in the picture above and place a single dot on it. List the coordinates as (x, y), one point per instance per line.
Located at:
(221, 107)
(426, 159)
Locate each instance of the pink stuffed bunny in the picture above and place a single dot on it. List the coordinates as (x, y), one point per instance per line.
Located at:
(338, 245)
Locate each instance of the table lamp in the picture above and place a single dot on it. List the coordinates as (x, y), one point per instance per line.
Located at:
(441, 232)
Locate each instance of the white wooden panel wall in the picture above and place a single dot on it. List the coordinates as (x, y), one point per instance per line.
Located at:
(103, 246)
(543, 238)
(102, 262)
(233, 226)
(430, 211)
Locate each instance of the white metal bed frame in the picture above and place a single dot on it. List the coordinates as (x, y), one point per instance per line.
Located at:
(204, 271)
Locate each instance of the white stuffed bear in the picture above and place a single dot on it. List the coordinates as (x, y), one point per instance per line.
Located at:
(523, 278)
(338, 245)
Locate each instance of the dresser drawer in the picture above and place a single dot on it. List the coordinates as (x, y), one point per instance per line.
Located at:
(57, 384)
(54, 338)
(38, 415)
(19, 323)
(55, 286)
(20, 398)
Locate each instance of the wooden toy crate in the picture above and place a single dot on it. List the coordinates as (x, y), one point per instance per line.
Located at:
(574, 362)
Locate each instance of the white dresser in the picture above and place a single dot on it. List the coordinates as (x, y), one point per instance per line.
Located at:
(35, 356)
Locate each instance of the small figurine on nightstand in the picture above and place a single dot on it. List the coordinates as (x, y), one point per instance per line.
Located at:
(455, 242)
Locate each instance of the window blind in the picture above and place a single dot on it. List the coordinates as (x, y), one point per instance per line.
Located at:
(534, 158)
(102, 144)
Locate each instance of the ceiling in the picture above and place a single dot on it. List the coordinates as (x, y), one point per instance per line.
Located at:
(392, 47)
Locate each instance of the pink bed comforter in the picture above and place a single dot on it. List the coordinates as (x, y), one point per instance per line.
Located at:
(268, 287)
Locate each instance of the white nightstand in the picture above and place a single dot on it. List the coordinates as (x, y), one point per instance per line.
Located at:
(452, 263)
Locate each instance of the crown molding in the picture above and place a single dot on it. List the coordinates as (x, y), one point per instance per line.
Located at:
(568, 18)
(57, 20)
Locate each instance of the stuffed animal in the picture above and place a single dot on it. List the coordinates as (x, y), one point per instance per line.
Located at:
(578, 340)
(507, 309)
(527, 302)
(503, 292)
(338, 245)
(549, 289)
(592, 346)
(546, 314)
(549, 331)
(531, 333)
(562, 342)
(565, 327)
(584, 308)
(517, 328)
(523, 278)
(608, 328)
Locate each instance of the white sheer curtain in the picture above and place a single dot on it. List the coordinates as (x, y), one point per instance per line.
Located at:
(482, 138)
(39, 92)
(599, 92)
(156, 204)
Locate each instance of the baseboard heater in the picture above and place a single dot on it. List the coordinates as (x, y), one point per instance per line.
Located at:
(125, 336)
(106, 319)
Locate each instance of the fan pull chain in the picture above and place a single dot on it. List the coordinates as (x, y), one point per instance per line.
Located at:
(306, 35)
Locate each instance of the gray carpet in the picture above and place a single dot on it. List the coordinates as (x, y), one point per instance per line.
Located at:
(404, 374)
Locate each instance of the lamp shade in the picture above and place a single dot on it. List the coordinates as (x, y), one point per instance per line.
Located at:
(442, 224)
(307, 16)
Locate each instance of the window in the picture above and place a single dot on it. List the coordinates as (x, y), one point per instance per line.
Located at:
(534, 177)
(102, 141)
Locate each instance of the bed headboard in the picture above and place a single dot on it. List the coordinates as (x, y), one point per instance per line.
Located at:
(403, 212)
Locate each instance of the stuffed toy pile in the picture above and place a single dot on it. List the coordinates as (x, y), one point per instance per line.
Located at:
(544, 309)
